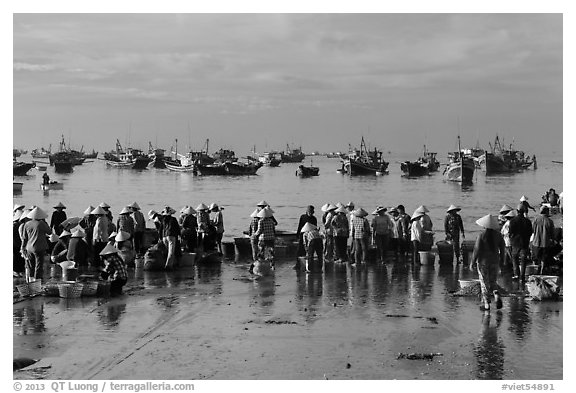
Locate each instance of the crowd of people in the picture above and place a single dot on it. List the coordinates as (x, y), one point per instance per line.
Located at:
(345, 234)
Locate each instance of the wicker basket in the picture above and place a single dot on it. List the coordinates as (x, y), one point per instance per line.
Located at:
(51, 289)
(70, 290)
(90, 288)
(30, 288)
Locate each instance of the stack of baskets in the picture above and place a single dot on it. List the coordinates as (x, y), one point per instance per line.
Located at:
(90, 288)
(30, 288)
(70, 289)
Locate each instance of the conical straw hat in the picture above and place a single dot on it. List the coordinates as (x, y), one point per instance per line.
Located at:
(262, 203)
(360, 213)
(16, 216)
(188, 210)
(99, 210)
(308, 227)
(121, 236)
(151, 214)
(18, 207)
(125, 210)
(264, 213)
(167, 211)
(417, 214)
(104, 205)
(511, 214)
(422, 209)
(88, 210)
(37, 214)
(254, 213)
(78, 233)
(60, 205)
(325, 207)
(202, 206)
(341, 209)
(489, 222)
(378, 210)
(453, 207)
(109, 249)
(134, 205)
(523, 198)
(504, 209)
(65, 233)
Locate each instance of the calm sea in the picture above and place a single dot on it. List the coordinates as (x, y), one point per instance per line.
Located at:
(288, 194)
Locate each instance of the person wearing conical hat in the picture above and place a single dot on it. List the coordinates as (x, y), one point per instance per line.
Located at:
(266, 235)
(502, 213)
(520, 231)
(252, 233)
(427, 239)
(341, 228)
(100, 233)
(60, 250)
(395, 234)
(329, 233)
(360, 235)
(453, 225)
(307, 217)
(125, 222)
(58, 217)
(79, 250)
(488, 255)
(139, 228)
(404, 234)
(106, 208)
(203, 222)
(313, 245)
(416, 234)
(542, 240)
(34, 243)
(114, 269)
(170, 236)
(505, 232)
(261, 205)
(524, 201)
(217, 222)
(123, 242)
(189, 224)
(18, 262)
(382, 227)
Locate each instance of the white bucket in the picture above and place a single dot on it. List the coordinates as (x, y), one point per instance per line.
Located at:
(427, 257)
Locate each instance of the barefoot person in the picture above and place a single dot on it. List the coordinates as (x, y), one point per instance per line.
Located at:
(489, 252)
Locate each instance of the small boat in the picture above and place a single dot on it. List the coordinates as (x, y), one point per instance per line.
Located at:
(270, 159)
(241, 168)
(91, 156)
(182, 165)
(52, 185)
(22, 168)
(460, 167)
(292, 155)
(41, 153)
(429, 159)
(41, 168)
(17, 186)
(307, 171)
(364, 162)
(414, 168)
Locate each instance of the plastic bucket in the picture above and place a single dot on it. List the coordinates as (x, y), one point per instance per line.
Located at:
(228, 250)
(427, 257)
(70, 274)
(242, 247)
(445, 252)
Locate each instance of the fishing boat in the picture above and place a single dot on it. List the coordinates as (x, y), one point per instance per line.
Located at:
(91, 156)
(242, 168)
(22, 168)
(502, 160)
(292, 155)
(211, 169)
(41, 153)
(52, 185)
(336, 155)
(17, 186)
(460, 167)
(307, 171)
(476, 153)
(200, 156)
(270, 159)
(414, 168)
(129, 158)
(429, 159)
(63, 162)
(364, 162)
(224, 155)
(182, 164)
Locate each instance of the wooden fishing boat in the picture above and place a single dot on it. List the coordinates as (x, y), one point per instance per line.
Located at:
(211, 169)
(429, 159)
(41, 153)
(17, 186)
(307, 171)
(129, 158)
(414, 168)
(224, 155)
(21, 168)
(460, 167)
(91, 156)
(292, 155)
(364, 162)
(241, 168)
(504, 160)
(52, 185)
(270, 159)
(62, 161)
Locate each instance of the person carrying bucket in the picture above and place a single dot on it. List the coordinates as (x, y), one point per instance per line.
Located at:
(488, 255)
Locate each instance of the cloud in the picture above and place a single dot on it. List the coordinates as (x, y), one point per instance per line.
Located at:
(32, 67)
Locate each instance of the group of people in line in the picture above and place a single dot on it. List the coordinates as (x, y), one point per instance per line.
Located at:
(509, 239)
(95, 242)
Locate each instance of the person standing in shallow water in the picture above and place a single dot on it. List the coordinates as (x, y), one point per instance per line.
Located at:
(341, 231)
(360, 233)
(488, 255)
(307, 217)
(453, 226)
(520, 231)
(58, 217)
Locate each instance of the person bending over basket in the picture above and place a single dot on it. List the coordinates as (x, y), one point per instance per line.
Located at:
(114, 269)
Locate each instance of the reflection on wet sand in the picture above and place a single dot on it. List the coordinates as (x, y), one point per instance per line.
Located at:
(489, 350)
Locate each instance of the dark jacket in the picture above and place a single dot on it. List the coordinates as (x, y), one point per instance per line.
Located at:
(170, 227)
(304, 218)
(78, 251)
(58, 217)
(520, 232)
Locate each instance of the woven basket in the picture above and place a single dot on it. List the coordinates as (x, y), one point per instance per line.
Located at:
(70, 290)
(30, 288)
(51, 289)
(90, 288)
(23, 289)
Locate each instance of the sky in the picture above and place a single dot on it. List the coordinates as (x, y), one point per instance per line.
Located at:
(319, 81)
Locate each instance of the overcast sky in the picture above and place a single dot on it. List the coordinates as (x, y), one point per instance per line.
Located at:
(316, 80)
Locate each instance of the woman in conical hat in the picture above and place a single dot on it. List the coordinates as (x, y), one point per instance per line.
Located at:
(78, 249)
(125, 247)
(341, 230)
(114, 269)
(453, 225)
(489, 253)
(60, 250)
(34, 234)
(58, 217)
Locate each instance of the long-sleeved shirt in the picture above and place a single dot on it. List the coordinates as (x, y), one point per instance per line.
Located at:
(304, 218)
(340, 225)
(203, 220)
(218, 222)
(489, 247)
(101, 229)
(139, 221)
(404, 226)
(328, 229)
(253, 226)
(359, 228)
(416, 231)
(34, 236)
(505, 231)
(311, 235)
(382, 225)
(170, 227)
(453, 225)
(60, 249)
(265, 229)
(543, 228)
(115, 267)
(78, 251)
(58, 217)
(520, 232)
(125, 223)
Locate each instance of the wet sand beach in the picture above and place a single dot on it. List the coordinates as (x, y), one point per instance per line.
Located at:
(222, 323)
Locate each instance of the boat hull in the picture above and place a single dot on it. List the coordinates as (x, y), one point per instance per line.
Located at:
(17, 186)
(239, 169)
(52, 186)
(414, 169)
(63, 166)
(460, 171)
(21, 168)
(180, 168)
(307, 171)
(211, 169)
(291, 159)
(354, 168)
